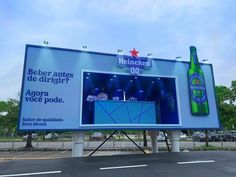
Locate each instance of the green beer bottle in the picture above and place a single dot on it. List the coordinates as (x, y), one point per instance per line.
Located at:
(197, 89)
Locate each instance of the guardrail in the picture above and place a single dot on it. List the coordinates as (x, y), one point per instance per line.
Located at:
(61, 144)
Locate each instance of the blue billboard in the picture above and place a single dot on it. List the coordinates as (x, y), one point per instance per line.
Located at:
(65, 89)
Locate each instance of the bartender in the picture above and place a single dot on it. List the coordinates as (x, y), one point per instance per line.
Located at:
(102, 95)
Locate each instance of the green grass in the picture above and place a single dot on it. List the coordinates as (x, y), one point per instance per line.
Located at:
(39, 139)
(7, 139)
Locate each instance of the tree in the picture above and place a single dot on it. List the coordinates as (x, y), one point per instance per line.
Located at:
(223, 94)
(233, 91)
(29, 141)
(226, 102)
(9, 115)
(9, 118)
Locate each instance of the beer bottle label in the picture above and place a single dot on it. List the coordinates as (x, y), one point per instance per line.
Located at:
(197, 88)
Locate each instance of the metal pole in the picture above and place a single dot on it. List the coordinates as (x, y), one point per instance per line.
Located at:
(133, 142)
(102, 143)
(166, 141)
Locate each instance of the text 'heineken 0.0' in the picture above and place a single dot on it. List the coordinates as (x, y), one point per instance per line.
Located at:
(198, 95)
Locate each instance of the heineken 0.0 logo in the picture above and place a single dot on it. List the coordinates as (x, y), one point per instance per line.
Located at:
(197, 88)
(134, 62)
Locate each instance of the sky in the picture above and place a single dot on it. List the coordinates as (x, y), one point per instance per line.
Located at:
(165, 28)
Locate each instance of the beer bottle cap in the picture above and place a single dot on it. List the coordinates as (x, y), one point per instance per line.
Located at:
(193, 48)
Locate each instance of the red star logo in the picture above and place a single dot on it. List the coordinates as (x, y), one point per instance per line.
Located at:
(197, 81)
(134, 53)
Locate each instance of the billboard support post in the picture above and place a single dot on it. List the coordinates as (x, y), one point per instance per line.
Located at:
(78, 144)
(174, 139)
(154, 135)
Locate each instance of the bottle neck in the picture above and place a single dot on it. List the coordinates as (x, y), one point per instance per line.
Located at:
(194, 63)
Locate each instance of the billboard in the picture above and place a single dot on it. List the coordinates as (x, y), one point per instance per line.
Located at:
(64, 89)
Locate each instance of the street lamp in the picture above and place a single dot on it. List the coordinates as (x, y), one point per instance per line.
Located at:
(205, 60)
(84, 47)
(149, 55)
(178, 58)
(45, 43)
(119, 52)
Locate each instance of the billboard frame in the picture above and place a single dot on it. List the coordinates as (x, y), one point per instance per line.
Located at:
(175, 126)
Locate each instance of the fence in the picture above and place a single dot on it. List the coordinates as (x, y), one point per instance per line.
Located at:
(117, 143)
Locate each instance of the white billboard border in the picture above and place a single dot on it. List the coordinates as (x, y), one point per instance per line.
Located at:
(131, 126)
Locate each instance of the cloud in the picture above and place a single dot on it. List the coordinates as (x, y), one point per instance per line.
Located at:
(11, 82)
(164, 28)
(149, 10)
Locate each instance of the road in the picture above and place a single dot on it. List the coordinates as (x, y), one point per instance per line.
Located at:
(194, 164)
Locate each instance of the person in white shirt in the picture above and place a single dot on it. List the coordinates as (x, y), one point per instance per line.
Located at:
(102, 95)
(91, 98)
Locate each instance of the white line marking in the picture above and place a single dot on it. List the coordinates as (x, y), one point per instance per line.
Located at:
(30, 174)
(197, 161)
(118, 167)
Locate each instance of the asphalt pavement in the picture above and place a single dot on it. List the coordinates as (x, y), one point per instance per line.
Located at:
(183, 164)
(30, 155)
